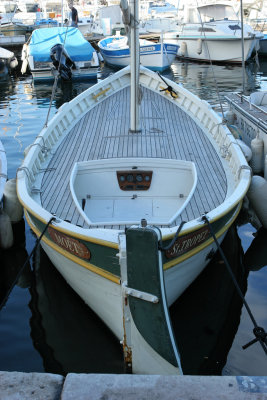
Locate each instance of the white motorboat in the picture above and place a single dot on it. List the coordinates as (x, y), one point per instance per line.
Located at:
(118, 182)
(213, 32)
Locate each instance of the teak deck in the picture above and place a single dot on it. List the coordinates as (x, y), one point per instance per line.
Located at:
(167, 132)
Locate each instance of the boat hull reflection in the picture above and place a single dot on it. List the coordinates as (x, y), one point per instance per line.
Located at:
(67, 334)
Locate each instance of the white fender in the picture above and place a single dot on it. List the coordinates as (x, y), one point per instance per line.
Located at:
(245, 149)
(11, 204)
(24, 66)
(257, 155)
(24, 59)
(230, 117)
(13, 63)
(199, 46)
(183, 49)
(257, 195)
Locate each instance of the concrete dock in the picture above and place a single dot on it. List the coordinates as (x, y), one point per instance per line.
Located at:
(43, 386)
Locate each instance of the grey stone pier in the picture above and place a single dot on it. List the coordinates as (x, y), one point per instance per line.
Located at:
(43, 386)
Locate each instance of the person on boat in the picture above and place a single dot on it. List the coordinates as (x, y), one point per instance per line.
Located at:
(74, 16)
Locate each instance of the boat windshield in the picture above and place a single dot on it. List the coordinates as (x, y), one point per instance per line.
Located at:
(217, 12)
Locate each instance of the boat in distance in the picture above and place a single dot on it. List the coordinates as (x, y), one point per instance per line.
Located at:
(212, 31)
(118, 182)
(48, 47)
(155, 56)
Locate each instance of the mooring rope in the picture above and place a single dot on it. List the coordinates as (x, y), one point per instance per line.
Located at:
(173, 240)
(26, 262)
(168, 89)
(260, 334)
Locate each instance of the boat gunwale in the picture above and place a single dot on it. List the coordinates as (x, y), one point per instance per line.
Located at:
(34, 154)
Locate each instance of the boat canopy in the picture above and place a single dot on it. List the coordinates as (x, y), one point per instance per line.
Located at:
(76, 45)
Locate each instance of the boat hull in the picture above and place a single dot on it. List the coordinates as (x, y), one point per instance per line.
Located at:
(220, 50)
(49, 75)
(152, 56)
(10, 29)
(93, 270)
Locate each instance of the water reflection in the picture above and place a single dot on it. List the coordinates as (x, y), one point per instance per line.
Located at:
(65, 92)
(67, 334)
(207, 81)
(12, 261)
(256, 255)
(207, 316)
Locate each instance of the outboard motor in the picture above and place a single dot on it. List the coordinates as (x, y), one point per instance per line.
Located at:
(59, 55)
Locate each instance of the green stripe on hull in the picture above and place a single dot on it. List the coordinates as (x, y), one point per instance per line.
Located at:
(191, 240)
(101, 256)
(104, 257)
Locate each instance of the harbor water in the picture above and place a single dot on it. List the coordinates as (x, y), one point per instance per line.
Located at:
(44, 326)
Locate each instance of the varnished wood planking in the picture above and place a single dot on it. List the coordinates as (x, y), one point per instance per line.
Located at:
(167, 132)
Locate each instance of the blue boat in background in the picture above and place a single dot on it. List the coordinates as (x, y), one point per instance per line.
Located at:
(155, 56)
(59, 50)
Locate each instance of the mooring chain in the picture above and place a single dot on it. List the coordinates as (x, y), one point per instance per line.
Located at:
(259, 332)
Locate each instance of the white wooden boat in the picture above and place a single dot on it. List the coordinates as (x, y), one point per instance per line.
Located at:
(120, 168)
(213, 32)
(42, 54)
(156, 56)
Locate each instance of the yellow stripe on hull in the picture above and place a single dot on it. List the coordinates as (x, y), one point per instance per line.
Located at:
(196, 250)
(73, 258)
